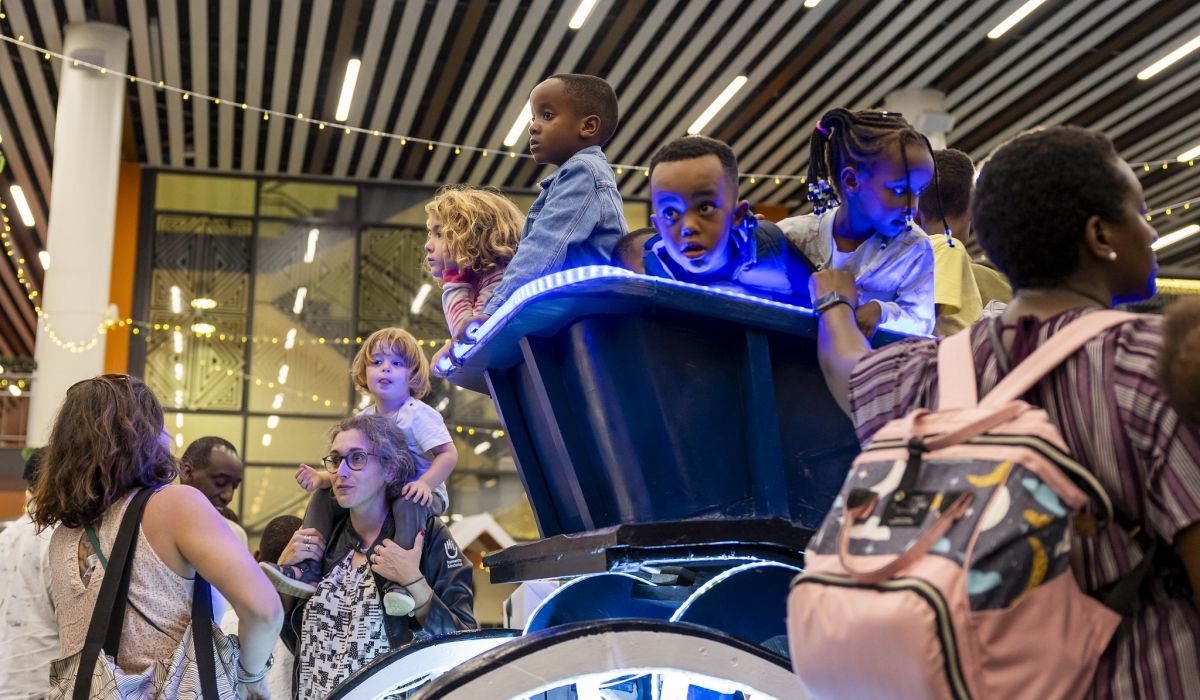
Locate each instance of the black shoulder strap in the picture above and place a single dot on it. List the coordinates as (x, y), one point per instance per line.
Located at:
(108, 617)
(202, 637)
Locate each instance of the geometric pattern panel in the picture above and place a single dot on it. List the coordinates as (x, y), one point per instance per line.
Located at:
(391, 274)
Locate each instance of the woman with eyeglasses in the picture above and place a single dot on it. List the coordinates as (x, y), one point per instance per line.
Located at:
(342, 627)
(107, 444)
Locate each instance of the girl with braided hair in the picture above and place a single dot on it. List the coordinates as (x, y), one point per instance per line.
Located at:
(866, 171)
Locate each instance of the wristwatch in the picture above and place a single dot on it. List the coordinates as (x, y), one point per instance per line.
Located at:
(831, 300)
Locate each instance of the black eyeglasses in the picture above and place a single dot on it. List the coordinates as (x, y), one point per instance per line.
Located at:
(355, 460)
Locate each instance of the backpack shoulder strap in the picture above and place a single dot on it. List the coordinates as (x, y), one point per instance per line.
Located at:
(956, 372)
(1052, 353)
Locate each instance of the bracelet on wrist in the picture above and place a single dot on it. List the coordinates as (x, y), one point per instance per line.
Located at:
(249, 678)
(414, 582)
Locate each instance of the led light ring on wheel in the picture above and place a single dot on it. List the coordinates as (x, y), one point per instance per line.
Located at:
(410, 663)
(555, 657)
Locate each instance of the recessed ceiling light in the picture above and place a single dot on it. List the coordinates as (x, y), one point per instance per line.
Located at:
(811, 3)
(343, 108)
(523, 119)
(1175, 236)
(1189, 155)
(1162, 63)
(1011, 21)
(419, 300)
(22, 205)
(722, 99)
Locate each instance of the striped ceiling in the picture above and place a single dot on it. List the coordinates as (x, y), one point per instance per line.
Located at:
(460, 71)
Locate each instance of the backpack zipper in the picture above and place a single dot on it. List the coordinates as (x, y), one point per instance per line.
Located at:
(933, 597)
(1074, 469)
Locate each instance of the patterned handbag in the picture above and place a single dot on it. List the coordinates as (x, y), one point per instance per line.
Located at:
(185, 675)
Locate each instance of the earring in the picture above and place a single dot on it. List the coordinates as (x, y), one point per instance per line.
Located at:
(1112, 255)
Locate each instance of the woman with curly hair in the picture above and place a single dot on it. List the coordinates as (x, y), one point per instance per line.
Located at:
(473, 234)
(108, 443)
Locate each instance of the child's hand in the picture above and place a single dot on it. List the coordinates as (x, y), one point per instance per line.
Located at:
(868, 316)
(418, 492)
(467, 334)
(311, 479)
(437, 356)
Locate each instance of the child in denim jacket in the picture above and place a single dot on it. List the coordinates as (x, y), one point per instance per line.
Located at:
(579, 216)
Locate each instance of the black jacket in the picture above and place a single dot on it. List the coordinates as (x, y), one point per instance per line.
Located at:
(444, 566)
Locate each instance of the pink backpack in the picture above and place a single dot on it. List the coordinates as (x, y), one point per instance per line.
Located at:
(943, 569)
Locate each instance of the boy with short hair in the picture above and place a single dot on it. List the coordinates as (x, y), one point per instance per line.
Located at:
(630, 248)
(707, 237)
(948, 206)
(579, 215)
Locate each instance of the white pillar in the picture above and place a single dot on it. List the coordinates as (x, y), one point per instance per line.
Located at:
(924, 109)
(87, 160)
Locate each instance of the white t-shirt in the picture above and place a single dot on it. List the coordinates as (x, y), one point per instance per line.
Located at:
(838, 258)
(28, 630)
(424, 430)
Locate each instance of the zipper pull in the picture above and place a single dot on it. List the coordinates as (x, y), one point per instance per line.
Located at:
(908, 482)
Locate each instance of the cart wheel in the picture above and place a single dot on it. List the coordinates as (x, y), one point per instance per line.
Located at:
(411, 666)
(593, 654)
(757, 591)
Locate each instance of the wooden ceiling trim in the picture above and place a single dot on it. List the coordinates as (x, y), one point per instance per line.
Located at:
(31, 63)
(168, 26)
(377, 29)
(143, 68)
(198, 30)
(608, 46)
(343, 48)
(47, 17)
(396, 67)
(227, 60)
(318, 28)
(1126, 108)
(1164, 126)
(256, 56)
(285, 55)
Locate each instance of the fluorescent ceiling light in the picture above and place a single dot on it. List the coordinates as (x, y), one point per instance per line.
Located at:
(277, 402)
(283, 372)
(1011, 21)
(523, 119)
(299, 305)
(343, 108)
(178, 371)
(422, 295)
(290, 342)
(311, 251)
(811, 3)
(203, 328)
(273, 422)
(1175, 236)
(1189, 155)
(45, 258)
(581, 14)
(178, 343)
(204, 303)
(22, 205)
(1162, 63)
(482, 447)
(717, 104)
(176, 301)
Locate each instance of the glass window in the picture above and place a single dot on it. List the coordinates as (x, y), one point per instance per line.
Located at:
(186, 428)
(284, 440)
(304, 337)
(268, 492)
(308, 200)
(637, 215)
(201, 193)
(199, 303)
(394, 290)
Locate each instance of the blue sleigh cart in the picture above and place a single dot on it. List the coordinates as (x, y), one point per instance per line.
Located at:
(678, 446)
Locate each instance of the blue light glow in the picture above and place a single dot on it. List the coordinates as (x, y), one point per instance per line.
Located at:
(566, 278)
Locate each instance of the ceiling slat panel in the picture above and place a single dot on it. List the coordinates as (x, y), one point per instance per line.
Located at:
(381, 15)
(198, 23)
(432, 41)
(470, 90)
(143, 67)
(32, 64)
(478, 136)
(51, 31)
(256, 52)
(168, 25)
(397, 63)
(539, 69)
(318, 28)
(285, 54)
(227, 79)
(24, 117)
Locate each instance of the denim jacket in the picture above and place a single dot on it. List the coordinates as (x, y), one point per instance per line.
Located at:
(896, 272)
(765, 264)
(574, 222)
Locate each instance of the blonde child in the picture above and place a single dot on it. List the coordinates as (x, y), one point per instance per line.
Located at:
(473, 234)
(391, 367)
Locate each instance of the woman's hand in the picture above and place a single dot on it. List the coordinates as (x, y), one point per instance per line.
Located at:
(254, 691)
(396, 563)
(830, 280)
(418, 492)
(306, 544)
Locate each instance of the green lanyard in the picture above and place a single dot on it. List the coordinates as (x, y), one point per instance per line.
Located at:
(104, 564)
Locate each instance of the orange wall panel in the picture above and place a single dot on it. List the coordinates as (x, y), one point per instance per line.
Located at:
(124, 262)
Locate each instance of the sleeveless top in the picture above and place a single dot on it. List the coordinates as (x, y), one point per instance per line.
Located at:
(161, 594)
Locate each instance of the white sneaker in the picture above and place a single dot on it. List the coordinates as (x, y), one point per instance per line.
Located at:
(285, 584)
(398, 603)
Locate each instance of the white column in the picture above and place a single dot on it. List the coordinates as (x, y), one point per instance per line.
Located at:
(924, 109)
(87, 160)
